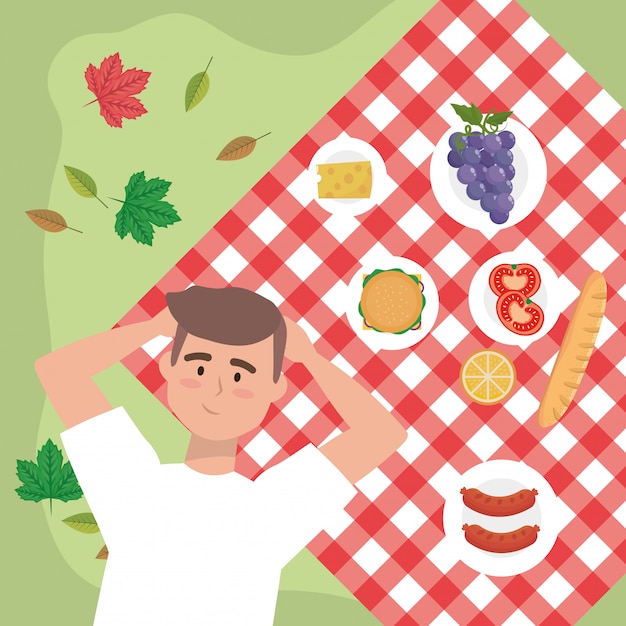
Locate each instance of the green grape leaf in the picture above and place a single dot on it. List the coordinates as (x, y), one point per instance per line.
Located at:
(470, 115)
(83, 184)
(49, 478)
(83, 523)
(144, 208)
(197, 88)
(495, 119)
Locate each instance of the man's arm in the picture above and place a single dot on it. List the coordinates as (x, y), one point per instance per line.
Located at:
(66, 374)
(373, 433)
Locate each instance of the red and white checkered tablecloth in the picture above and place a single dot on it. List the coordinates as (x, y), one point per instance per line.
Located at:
(390, 550)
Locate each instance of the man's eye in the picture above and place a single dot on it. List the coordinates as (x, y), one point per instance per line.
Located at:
(200, 370)
(237, 377)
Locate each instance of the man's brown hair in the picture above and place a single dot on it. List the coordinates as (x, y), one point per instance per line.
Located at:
(229, 315)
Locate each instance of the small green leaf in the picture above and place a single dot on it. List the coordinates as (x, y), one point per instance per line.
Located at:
(498, 118)
(197, 88)
(83, 523)
(476, 114)
(470, 115)
(83, 184)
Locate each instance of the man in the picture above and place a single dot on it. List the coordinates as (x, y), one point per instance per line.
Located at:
(196, 543)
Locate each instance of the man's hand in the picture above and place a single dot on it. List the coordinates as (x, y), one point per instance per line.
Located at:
(373, 432)
(66, 374)
(298, 348)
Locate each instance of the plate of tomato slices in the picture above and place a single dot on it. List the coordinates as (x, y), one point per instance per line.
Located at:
(514, 298)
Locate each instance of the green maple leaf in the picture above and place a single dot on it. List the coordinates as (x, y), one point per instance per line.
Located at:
(144, 208)
(49, 478)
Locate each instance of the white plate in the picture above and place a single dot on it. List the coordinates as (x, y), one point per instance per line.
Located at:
(528, 185)
(346, 149)
(389, 341)
(501, 477)
(482, 301)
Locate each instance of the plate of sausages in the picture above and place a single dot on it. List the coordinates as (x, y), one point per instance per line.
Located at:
(501, 517)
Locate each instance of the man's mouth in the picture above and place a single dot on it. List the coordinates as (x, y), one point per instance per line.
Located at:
(209, 411)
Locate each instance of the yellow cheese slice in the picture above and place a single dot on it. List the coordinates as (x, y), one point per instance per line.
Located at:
(345, 180)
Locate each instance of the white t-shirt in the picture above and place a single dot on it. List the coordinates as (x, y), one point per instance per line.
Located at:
(191, 549)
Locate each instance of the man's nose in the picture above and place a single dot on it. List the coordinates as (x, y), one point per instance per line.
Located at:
(215, 386)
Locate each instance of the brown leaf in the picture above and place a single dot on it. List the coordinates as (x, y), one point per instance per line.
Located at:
(103, 554)
(50, 221)
(238, 148)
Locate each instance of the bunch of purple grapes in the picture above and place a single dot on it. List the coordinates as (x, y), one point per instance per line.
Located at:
(484, 163)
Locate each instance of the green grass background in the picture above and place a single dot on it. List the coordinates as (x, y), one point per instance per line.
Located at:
(283, 64)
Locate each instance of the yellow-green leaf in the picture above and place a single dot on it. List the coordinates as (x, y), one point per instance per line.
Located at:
(83, 522)
(197, 88)
(83, 184)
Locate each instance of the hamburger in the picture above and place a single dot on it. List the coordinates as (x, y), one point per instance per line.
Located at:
(392, 301)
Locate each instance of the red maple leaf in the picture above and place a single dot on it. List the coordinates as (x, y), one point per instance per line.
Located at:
(114, 90)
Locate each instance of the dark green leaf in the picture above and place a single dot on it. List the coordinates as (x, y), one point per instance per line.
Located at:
(121, 222)
(49, 460)
(68, 486)
(75, 493)
(141, 230)
(49, 478)
(155, 189)
(27, 494)
(160, 214)
(28, 473)
(136, 180)
(143, 208)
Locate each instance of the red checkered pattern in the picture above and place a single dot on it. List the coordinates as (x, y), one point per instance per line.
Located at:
(389, 553)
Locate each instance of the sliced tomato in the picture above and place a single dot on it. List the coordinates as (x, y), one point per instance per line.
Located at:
(519, 314)
(523, 278)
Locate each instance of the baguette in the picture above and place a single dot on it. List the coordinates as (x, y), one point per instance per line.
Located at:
(575, 351)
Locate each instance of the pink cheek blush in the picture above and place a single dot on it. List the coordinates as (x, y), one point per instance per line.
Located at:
(245, 394)
(191, 383)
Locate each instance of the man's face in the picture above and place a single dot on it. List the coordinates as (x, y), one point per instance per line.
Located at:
(219, 391)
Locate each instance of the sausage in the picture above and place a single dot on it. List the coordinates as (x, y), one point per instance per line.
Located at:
(501, 542)
(499, 506)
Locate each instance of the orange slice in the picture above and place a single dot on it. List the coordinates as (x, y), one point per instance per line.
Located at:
(488, 376)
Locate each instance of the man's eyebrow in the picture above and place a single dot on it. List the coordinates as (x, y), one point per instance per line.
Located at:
(193, 356)
(244, 364)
